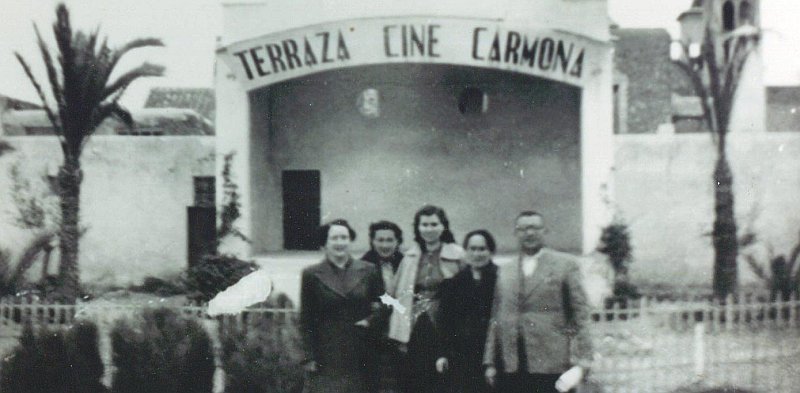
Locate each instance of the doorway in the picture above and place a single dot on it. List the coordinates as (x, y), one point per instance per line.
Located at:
(301, 209)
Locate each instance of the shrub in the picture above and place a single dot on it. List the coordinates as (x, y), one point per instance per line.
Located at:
(213, 274)
(39, 363)
(616, 243)
(230, 203)
(6, 288)
(162, 353)
(262, 355)
(160, 287)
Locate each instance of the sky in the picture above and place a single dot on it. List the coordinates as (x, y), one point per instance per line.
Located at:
(189, 29)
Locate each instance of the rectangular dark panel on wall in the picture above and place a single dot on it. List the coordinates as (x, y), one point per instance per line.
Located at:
(202, 232)
(301, 209)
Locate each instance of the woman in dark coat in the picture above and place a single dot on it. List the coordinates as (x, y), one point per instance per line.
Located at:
(339, 305)
(385, 238)
(465, 308)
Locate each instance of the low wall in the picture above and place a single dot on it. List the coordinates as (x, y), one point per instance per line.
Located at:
(136, 190)
(663, 188)
(133, 201)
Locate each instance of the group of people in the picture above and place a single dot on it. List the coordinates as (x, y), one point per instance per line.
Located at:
(457, 322)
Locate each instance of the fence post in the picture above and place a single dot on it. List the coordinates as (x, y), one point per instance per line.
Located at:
(699, 350)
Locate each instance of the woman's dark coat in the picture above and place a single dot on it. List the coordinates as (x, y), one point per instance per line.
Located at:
(332, 301)
(465, 310)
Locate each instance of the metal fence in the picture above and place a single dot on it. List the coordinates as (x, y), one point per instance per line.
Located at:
(641, 346)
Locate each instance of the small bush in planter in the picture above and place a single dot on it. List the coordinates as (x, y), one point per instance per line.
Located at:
(213, 274)
(263, 355)
(54, 362)
(162, 352)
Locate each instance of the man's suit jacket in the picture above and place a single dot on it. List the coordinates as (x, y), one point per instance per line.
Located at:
(548, 310)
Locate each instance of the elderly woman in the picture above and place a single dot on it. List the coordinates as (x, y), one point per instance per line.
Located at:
(434, 258)
(339, 303)
(465, 309)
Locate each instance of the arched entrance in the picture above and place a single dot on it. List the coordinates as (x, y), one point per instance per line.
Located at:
(520, 149)
(376, 117)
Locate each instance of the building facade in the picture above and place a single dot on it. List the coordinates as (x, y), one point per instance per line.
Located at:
(370, 111)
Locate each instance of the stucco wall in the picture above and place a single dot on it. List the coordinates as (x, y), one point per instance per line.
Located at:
(523, 153)
(664, 190)
(134, 198)
(136, 189)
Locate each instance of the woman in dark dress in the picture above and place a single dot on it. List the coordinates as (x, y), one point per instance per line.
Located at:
(434, 258)
(385, 238)
(465, 308)
(339, 304)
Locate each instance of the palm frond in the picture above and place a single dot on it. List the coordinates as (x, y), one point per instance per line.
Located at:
(98, 75)
(144, 70)
(103, 112)
(42, 242)
(756, 268)
(123, 115)
(54, 120)
(62, 30)
(732, 71)
(52, 74)
(63, 33)
(135, 44)
(697, 84)
(714, 88)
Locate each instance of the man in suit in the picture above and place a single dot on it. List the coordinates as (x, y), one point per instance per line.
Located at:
(537, 339)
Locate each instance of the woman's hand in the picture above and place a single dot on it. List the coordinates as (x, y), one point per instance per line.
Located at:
(311, 367)
(442, 365)
(491, 375)
(402, 348)
(569, 379)
(364, 323)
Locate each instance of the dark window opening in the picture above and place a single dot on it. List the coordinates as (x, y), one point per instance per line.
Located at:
(746, 13)
(204, 191)
(728, 15)
(473, 101)
(301, 209)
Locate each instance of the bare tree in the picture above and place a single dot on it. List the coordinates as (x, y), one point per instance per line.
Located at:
(84, 95)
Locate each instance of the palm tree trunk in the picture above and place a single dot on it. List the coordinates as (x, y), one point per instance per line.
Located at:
(726, 247)
(69, 181)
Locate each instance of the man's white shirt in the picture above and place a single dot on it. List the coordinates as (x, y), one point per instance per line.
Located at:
(529, 263)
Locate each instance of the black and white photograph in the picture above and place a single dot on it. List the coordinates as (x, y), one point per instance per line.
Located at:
(384, 196)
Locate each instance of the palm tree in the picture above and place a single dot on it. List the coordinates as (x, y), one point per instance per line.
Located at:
(84, 96)
(715, 77)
